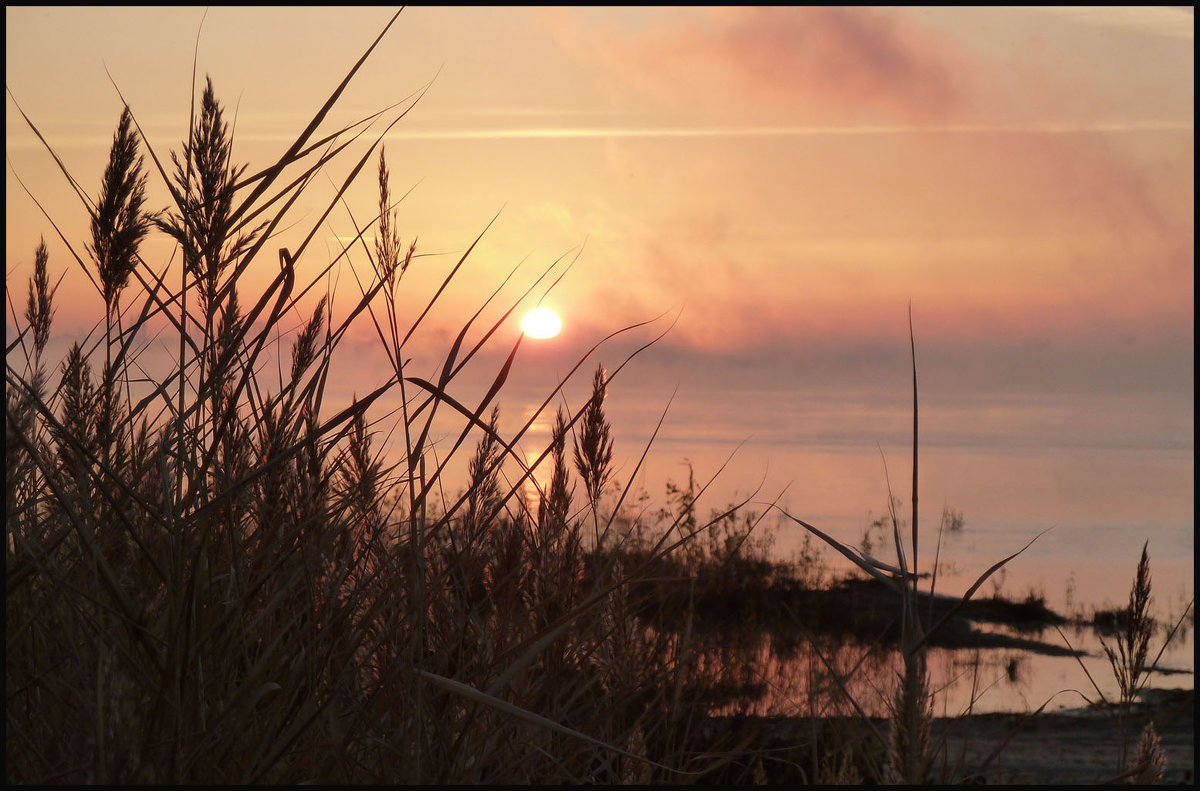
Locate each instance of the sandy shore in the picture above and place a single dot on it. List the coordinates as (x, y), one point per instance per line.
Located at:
(1069, 747)
(1066, 747)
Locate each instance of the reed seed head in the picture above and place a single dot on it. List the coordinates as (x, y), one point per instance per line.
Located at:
(1150, 761)
(389, 264)
(305, 350)
(593, 445)
(119, 223)
(483, 473)
(205, 183)
(40, 309)
(556, 505)
(1128, 657)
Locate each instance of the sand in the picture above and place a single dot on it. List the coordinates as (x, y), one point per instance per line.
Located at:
(1066, 747)
(1077, 747)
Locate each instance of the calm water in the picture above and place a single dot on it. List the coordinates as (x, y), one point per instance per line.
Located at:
(1081, 472)
(1097, 477)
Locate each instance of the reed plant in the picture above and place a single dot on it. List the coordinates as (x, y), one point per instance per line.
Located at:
(1127, 650)
(909, 755)
(216, 576)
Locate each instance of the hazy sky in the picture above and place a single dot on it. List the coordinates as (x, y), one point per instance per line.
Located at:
(790, 178)
(786, 181)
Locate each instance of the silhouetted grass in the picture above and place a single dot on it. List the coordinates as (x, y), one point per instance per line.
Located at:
(217, 576)
(214, 575)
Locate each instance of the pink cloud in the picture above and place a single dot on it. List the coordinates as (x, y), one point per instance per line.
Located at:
(827, 60)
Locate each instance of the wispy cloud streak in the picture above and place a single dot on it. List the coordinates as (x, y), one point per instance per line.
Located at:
(551, 132)
(1040, 128)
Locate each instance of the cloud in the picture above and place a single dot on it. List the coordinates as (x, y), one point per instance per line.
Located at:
(824, 60)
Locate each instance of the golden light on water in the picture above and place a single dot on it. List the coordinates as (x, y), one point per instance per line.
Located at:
(541, 323)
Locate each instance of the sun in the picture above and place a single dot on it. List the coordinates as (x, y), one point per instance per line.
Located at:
(541, 323)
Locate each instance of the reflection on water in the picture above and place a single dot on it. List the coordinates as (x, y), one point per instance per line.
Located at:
(1013, 468)
(774, 675)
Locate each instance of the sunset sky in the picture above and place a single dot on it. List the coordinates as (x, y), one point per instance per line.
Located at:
(786, 182)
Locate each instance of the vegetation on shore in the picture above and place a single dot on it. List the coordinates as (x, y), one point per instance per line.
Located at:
(213, 575)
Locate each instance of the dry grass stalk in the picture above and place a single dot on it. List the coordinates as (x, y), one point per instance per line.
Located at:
(908, 751)
(390, 262)
(1128, 657)
(1129, 661)
(1150, 759)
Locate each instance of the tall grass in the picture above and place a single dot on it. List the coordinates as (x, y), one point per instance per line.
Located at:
(909, 754)
(1128, 655)
(216, 576)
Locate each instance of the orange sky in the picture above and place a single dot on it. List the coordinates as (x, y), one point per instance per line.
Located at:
(785, 181)
(779, 174)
